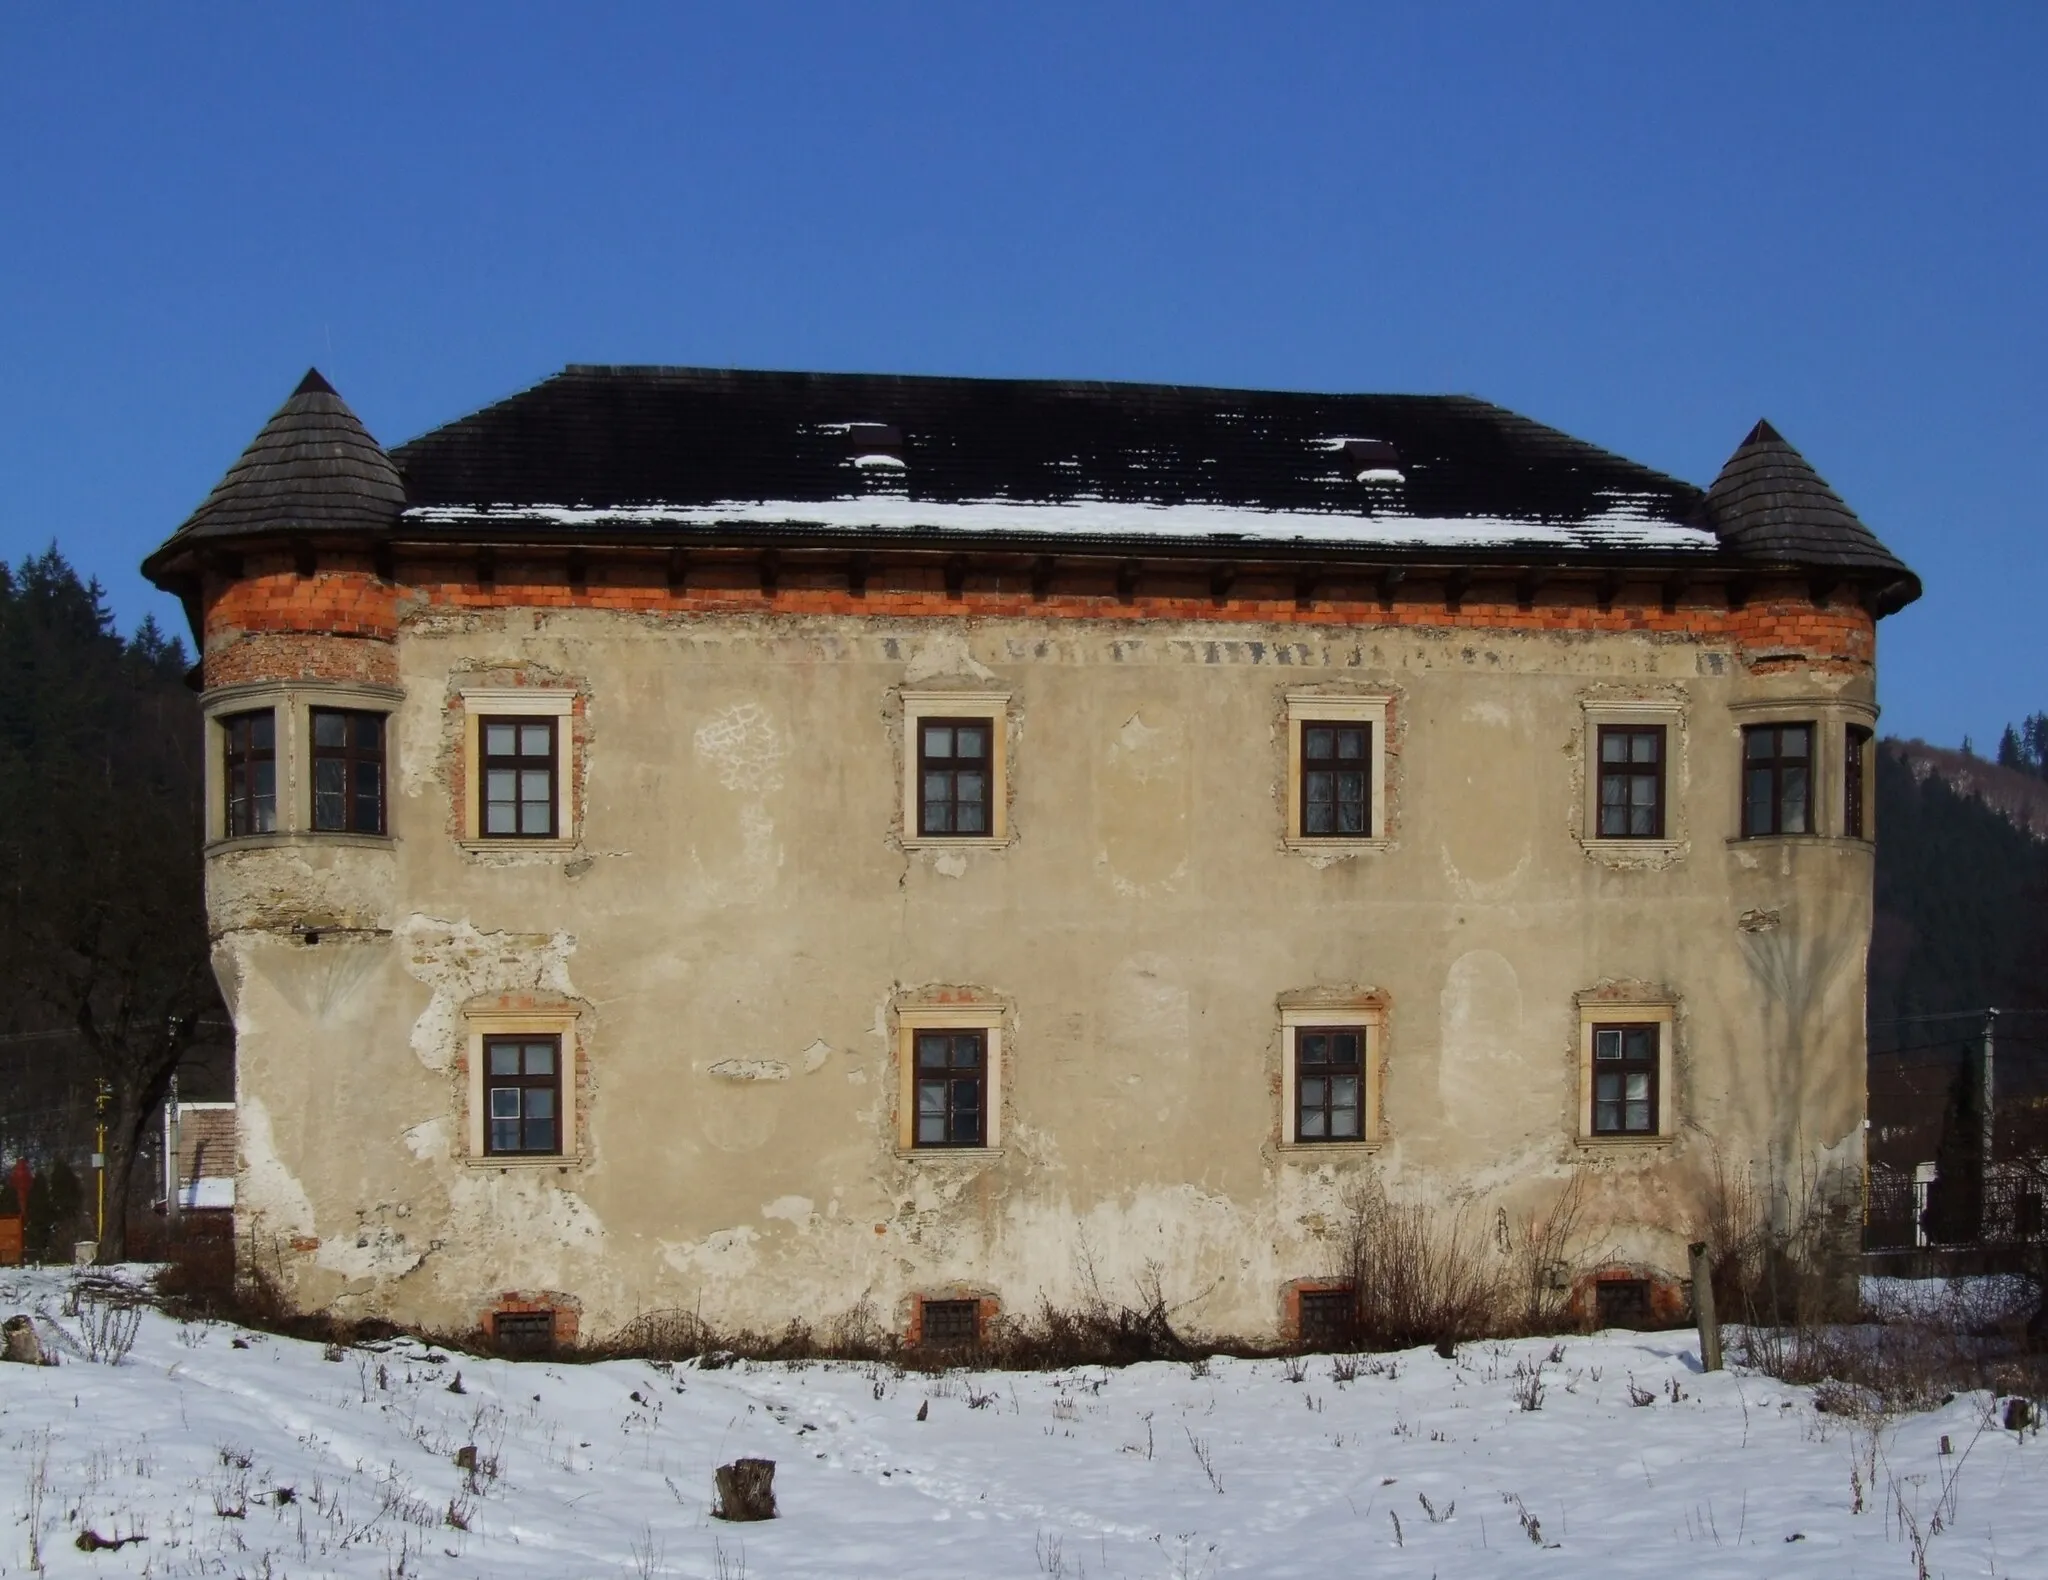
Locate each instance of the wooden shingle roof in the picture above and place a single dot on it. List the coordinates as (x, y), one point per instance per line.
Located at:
(1770, 504)
(313, 468)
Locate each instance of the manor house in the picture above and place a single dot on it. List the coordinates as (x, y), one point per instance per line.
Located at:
(903, 848)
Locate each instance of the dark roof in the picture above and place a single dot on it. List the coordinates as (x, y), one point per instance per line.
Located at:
(313, 468)
(632, 438)
(722, 456)
(1770, 504)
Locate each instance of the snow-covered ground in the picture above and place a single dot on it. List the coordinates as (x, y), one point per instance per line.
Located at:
(240, 1454)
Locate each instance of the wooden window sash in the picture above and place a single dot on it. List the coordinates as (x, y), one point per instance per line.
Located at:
(951, 1090)
(1626, 776)
(1855, 783)
(249, 765)
(357, 807)
(1316, 1084)
(1771, 772)
(519, 763)
(524, 1084)
(1338, 774)
(1622, 1067)
(941, 778)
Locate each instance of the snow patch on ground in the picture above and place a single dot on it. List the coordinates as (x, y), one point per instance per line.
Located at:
(232, 1453)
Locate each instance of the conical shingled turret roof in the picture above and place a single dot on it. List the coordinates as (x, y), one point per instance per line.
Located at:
(1770, 504)
(313, 468)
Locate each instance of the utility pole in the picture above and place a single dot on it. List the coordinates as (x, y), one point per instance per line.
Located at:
(171, 1151)
(102, 1096)
(1986, 1095)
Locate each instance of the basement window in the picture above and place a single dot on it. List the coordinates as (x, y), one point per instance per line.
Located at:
(1328, 1318)
(524, 1332)
(1622, 1303)
(949, 1324)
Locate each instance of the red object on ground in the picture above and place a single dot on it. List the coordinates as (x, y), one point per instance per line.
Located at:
(21, 1179)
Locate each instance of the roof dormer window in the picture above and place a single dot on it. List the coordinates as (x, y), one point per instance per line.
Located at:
(876, 445)
(1373, 460)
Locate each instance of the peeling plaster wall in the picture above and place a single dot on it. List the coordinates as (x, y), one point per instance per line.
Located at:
(739, 916)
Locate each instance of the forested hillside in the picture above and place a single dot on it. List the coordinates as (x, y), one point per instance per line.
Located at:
(1962, 885)
(104, 979)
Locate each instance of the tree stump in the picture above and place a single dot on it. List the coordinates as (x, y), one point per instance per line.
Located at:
(18, 1342)
(746, 1490)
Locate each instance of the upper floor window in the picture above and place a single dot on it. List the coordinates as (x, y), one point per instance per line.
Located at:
(1855, 762)
(1631, 781)
(250, 743)
(1777, 779)
(1336, 779)
(518, 779)
(348, 771)
(955, 778)
(955, 768)
(1336, 771)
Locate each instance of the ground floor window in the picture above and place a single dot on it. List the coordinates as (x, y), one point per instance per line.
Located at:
(523, 1085)
(952, 1088)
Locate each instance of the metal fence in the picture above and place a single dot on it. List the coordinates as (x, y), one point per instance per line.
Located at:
(2008, 1210)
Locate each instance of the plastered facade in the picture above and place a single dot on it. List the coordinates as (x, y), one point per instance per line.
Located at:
(737, 924)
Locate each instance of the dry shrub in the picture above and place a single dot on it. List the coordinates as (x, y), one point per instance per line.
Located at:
(1912, 1361)
(1790, 1252)
(1422, 1273)
(1546, 1253)
(1099, 1331)
(1786, 1262)
(1427, 1273)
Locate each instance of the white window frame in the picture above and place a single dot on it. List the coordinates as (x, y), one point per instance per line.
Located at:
(993, 706)
(543, 702)
(1355, 1012)
(1341, 708)
(986, 1018)
(1661, 1012)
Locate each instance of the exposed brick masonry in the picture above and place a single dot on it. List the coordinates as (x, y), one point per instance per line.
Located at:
(257, 626)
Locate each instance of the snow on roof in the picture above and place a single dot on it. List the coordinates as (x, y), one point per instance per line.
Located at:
(208, 1194)
(1622, 525)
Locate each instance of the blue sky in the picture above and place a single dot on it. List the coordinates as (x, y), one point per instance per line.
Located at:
(1646, 225)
